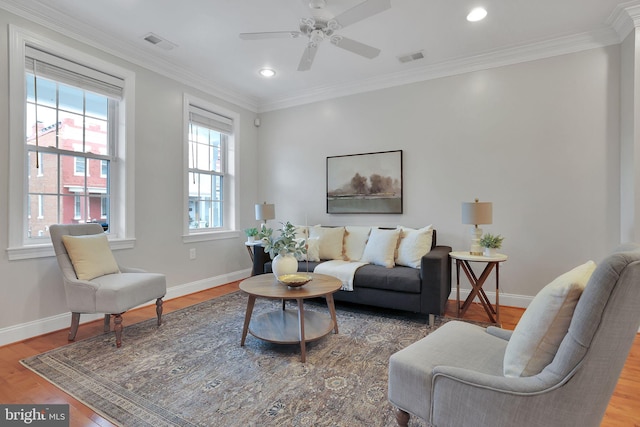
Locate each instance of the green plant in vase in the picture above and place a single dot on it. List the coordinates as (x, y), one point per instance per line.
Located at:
(490, 243)
(251, 233)
(283, 244)
(283, 248)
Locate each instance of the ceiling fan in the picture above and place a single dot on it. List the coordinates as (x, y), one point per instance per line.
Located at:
(316, 30)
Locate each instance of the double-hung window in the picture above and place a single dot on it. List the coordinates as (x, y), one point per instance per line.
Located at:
(71, 118)
(68, 157)
(207, 144)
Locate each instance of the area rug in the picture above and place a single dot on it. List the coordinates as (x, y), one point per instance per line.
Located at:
(192, 371)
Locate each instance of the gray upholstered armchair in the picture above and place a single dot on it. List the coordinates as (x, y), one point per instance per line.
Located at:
(94, 283)
(456, 375)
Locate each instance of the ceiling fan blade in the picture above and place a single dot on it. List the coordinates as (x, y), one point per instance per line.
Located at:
(307, 58)
(271, 35)
(362, 11)
(355, 47)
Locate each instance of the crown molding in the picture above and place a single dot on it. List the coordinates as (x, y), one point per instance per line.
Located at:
(624, 18)
(52, 19)
(492, 59)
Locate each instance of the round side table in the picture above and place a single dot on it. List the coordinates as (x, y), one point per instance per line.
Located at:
(463, 259)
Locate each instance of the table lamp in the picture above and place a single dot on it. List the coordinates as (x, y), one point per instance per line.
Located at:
(264, 212)
(476, 213)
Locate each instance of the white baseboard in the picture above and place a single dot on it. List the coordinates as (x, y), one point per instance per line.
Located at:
(37, 327)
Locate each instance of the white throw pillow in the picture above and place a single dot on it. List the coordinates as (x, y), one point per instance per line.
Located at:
(313, 250)
(355, 240)
(90, 255)
(330, 241)
(381, 247)
(543, 325)
(414, 244)
(302, 232)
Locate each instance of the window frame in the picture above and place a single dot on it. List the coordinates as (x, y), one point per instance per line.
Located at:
(122, 235)
(230, 187)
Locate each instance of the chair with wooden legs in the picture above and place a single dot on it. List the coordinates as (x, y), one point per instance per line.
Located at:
(95, 283)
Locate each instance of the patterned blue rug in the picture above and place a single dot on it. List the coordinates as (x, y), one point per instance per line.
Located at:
(191, 371)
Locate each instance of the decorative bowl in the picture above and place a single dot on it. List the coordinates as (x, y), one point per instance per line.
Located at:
(294, 280)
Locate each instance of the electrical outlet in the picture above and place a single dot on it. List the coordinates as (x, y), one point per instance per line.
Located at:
(192, 253)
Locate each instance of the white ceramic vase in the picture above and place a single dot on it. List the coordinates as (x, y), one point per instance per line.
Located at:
(284, 264)
(490, 251)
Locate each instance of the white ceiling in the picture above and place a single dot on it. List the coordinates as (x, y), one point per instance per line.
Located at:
(210, 54)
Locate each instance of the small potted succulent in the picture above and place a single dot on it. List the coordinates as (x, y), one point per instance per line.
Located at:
(283, 248)
(251, 234)
(491, 243)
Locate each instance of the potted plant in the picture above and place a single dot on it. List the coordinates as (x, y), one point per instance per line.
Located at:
(283, 248)
(490, 243)
(251, 234)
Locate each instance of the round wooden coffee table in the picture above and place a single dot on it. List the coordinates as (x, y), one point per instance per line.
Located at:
(290, 326)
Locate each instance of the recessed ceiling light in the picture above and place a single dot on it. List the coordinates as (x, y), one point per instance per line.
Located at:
(477, 14)
(267, 72)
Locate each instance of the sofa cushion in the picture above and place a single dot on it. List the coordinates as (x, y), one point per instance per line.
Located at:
(400, 279)
(355, 240)
(381, 247)
(413, 245)
(543, 325)
(330, 241)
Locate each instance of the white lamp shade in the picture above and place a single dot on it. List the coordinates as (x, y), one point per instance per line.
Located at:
(477, 213)
(265, 211)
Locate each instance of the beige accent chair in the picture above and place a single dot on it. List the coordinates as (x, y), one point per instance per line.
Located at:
(455, 375)
(112, 294)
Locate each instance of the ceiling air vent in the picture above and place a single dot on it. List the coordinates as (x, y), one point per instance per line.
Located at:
(156, 40)
(411, 56)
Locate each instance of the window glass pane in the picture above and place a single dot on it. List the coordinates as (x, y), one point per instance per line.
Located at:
(44, 179)
(216, 214)
(44, 212)
(29, 82)
(70, 99)
(205, 188)
(46, 92)
(96, 136)
(96, 209)
(68, 180)
(67, 209)
(46, 124)
(217, 187)
(71, 132)
(96, 105)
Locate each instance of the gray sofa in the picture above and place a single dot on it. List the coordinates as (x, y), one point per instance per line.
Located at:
(424, 290)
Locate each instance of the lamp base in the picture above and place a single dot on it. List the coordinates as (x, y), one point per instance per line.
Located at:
(476, 234)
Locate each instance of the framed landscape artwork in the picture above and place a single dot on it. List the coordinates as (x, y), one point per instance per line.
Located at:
(365, 183)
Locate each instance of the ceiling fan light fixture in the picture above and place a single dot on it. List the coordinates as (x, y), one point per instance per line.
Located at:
(477, 14)
(317, 4)
(267, 72)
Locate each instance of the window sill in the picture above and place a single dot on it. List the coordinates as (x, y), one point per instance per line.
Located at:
(46, 249)
(210, 235)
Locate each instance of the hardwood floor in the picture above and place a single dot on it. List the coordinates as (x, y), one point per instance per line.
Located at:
(19, 385)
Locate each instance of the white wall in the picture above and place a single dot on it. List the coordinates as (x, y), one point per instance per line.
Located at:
(31, 290)
(540, 140)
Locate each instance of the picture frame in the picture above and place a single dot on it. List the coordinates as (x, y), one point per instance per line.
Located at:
(368, 183)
